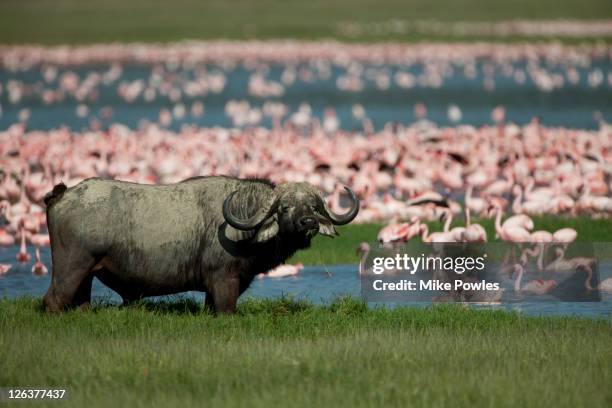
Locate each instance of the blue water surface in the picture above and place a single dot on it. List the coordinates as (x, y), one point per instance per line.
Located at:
(316, 284)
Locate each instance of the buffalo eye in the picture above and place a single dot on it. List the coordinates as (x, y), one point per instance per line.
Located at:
(284, 208)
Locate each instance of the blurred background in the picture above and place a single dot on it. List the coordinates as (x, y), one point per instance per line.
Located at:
(79, 22)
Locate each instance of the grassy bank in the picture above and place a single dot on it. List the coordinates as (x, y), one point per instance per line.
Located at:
(282, 352)
(74, 21)
(341, 250)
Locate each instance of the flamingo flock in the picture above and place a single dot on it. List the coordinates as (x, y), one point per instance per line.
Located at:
(174, 80)
(420, 172)
(402, 174)
(227, 53)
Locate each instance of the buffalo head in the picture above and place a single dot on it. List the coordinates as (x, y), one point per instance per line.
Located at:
(294, 209)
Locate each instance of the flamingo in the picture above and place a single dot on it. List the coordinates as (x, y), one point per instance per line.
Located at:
(500, 187)
(399, 232)
(23, 256)
(565, 235)
(6, 239)
(538, 206)
(534, 287)
(39, 268)
(478, 205)
(519, 220)
(527, 253)
(473, 232)
(4, 268)
(437, 237)
(561, 264)
(510, 233)
(284, 270)
(364, 250)
(40, 240)
(457, 232)
(605, 285)
(594, 203)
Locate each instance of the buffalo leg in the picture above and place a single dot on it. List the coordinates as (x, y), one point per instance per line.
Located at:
(82, 297)
(209, 302)
(244, 284)
(225, 295)
(70, 270)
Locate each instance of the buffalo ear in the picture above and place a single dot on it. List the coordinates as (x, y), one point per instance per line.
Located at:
(267, 231)
(236, 235)
(327, 228)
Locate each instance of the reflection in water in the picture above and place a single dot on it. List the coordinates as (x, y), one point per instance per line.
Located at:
(509, 273)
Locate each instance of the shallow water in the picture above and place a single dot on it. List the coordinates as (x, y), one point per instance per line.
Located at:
(317, 284)
(573, 105)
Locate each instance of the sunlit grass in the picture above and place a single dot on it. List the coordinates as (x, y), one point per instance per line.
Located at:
(292, 353)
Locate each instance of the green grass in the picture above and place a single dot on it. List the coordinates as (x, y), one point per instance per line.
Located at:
(341, 250)
(281, 352)
(75, 21)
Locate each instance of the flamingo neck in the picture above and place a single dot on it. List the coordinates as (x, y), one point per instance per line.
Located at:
(519, 277)
(364, 257)
(425, 233)
(449, 220)
(560, 254)
(23, 240)
(530, 184)
(516, 204)
(468, 220)
(541, 257)
(587, 282)
(498, 227)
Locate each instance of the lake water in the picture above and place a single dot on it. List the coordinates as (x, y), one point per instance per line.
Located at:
(578, 105)
(317, 284)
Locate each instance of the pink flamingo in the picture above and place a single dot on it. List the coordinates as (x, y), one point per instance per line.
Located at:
(437, 237)
(39, 268)
(510, 233)
(284, 270)
(399, 232)
(605, 285)
(521, 221)
(40, 240)
(534, 207)
(565, 235)
(473, 232)
(4, 268)
(364, 250)
(6, 239)
(561, 264)
(457, 232)
(500, 187)
(534, 287)
(476, 204)
(23, 256)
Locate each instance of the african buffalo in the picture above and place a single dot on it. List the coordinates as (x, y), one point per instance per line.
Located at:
(210, 234)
